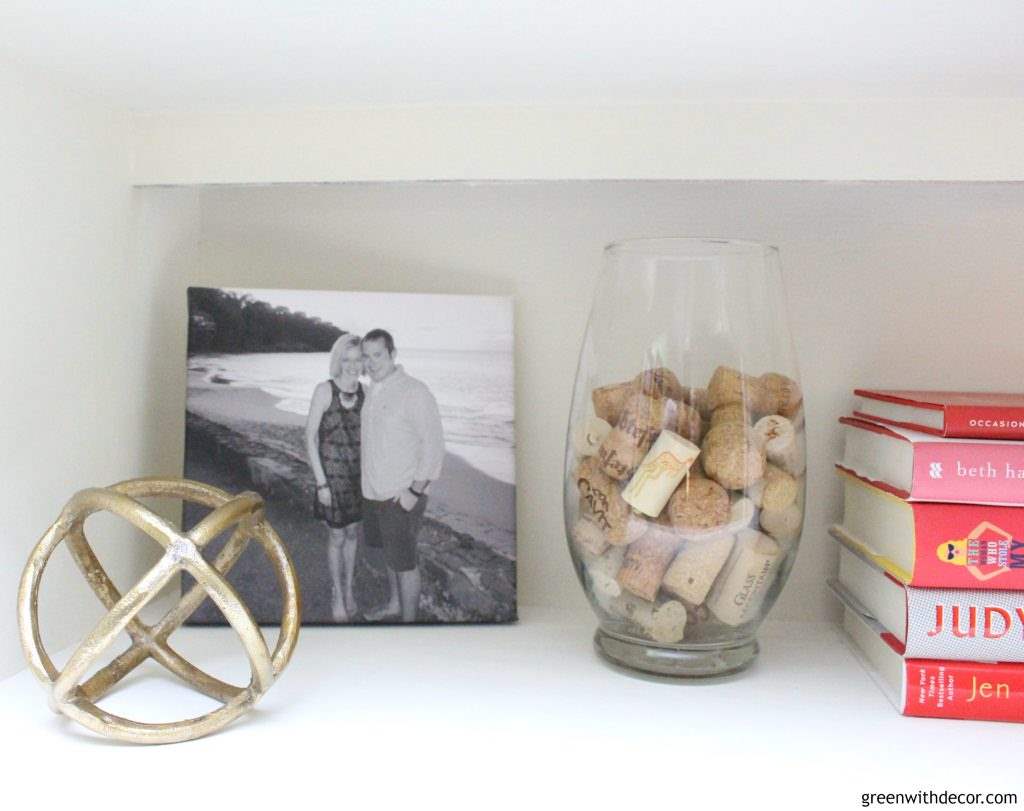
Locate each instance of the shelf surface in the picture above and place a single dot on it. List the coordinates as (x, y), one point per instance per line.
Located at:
(496, 714)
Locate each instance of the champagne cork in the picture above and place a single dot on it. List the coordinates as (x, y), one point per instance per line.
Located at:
(610, 400)
(601, 502)
(668, 622)
(588, 436)
(729, 385)
(755, 493)
(726, 432)
(798, 418)
(698, 505)
(782, 446)
(731, 412)
(783, 525)
(659, 382)
(664, 466)
(589, 537)
(738, 594)
(796, 463)
(732, 457)
(780, 489)
(645, 563)
(664, 622)
(696, 566)
(784, 393)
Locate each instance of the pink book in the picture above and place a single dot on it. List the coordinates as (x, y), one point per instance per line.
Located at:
(969, 415)
(921, 467)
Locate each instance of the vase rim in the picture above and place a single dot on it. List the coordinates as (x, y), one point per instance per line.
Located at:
(676, 244)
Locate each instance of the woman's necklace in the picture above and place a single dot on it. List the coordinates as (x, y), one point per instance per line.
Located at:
(348, 397)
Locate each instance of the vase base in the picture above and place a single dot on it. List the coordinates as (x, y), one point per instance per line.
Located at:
(688, 663)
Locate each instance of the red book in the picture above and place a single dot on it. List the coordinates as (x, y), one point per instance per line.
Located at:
(968, 625)
(952, 546)
(933, 688)
(970, 415)
(923, 467)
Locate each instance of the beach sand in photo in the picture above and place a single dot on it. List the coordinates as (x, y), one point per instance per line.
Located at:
(238, 439)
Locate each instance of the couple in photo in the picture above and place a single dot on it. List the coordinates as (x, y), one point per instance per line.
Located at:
(374, 450)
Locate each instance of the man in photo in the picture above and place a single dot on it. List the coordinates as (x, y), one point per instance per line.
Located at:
(402, 452)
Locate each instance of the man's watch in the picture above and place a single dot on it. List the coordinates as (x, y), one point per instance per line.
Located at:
(416, 493)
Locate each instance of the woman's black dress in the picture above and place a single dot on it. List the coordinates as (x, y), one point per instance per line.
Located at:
(339, 455)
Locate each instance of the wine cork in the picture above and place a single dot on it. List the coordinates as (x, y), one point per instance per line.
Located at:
(732, 457)
(589, 537)
(742, 512)
(698, 398)
(657, 477)
(636, 527)
(643, 417)
(698, 505)
(696, 566)
(620, 455)
(780, 489)
(609, 400)
(783, 525)
(738, 594)
(664, 622)
(601, 502)
(588, 436)
(602, 571)
(729, 385)
(782, 445)
(645, 563)
(641, 420)
(688, 422)
(697, 614)
(784, 393)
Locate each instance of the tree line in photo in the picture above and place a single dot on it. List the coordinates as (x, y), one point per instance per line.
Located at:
(222, 321)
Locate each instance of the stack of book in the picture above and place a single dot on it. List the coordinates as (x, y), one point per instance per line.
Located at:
(931, 571)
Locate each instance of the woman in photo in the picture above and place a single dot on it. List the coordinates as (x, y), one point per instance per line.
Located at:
(332, 442)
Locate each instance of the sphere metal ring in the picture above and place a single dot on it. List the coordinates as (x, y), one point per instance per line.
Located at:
(182, 553)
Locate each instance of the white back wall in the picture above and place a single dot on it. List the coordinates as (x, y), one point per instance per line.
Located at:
(71, 416)
(889, 284)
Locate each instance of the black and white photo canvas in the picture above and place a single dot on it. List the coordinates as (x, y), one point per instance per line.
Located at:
(379, 430)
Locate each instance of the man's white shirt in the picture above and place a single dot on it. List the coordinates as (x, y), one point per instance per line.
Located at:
(401, 436)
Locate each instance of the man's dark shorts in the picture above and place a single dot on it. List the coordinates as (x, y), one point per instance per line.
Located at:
(389, 528)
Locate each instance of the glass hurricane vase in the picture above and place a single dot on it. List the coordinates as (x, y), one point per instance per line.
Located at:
(685, 459)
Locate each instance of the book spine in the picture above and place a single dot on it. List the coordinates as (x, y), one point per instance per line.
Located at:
(967, 690)
(968, 546)
(965, 624)
(984, 422)
(969, 472)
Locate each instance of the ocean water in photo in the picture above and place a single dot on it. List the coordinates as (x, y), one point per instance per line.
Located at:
(474, 392)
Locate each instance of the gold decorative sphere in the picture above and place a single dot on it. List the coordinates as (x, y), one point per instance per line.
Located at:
(182, 553)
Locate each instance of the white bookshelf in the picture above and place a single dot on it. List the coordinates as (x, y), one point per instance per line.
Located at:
(516, 715)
